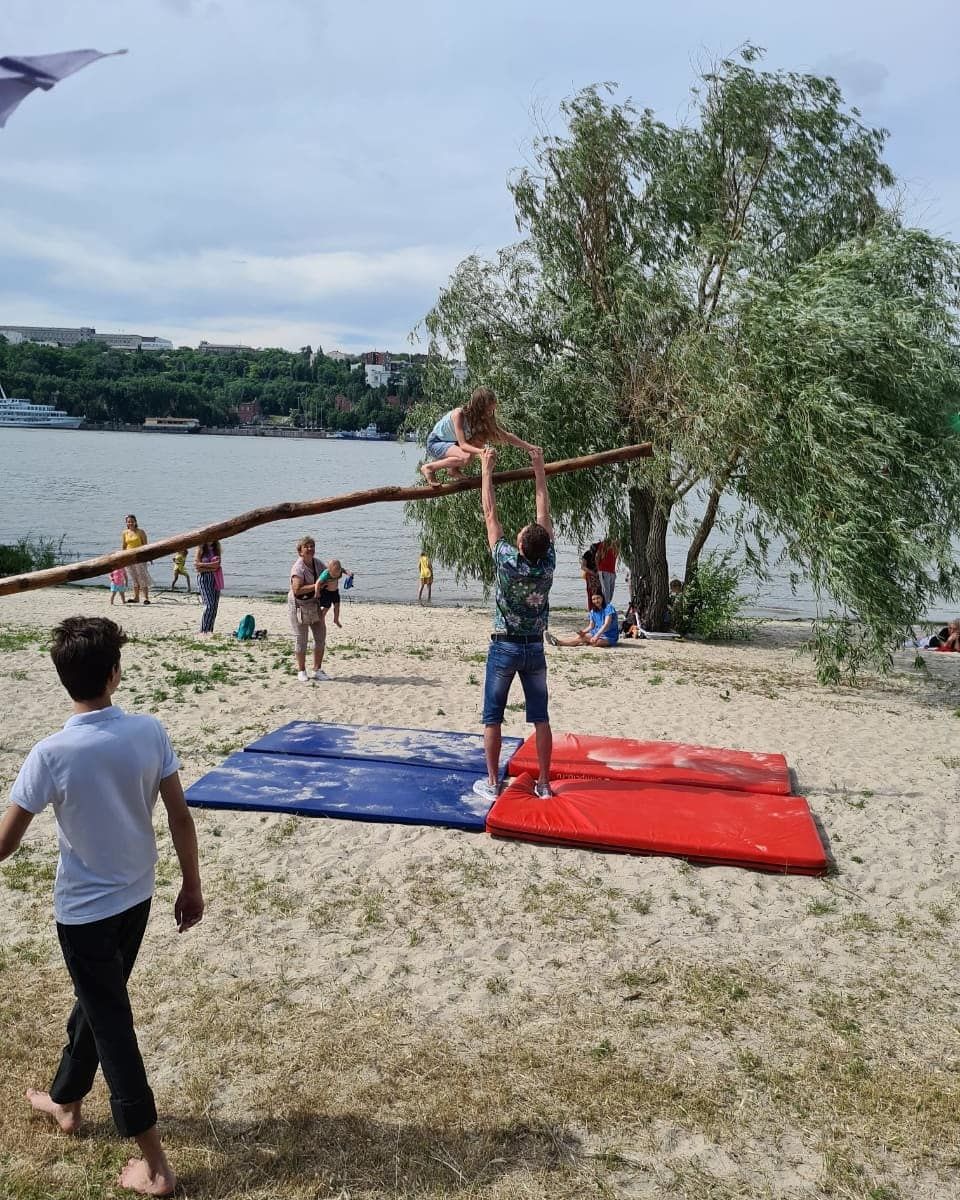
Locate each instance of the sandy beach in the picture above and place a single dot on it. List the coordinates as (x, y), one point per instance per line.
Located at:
(383, 1011)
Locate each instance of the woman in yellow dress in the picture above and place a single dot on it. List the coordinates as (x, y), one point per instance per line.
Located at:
(134, 536)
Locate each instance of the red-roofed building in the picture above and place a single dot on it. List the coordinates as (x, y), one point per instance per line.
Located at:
(248, 413)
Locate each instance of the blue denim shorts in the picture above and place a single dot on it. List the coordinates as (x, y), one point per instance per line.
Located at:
(504, 661)
(437, 449)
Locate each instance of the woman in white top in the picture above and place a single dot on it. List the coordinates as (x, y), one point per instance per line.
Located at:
(305, 614)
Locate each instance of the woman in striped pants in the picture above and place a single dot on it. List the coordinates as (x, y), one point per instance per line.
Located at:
(209, 582)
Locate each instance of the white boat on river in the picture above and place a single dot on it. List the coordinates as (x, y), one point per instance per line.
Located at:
(24, 414)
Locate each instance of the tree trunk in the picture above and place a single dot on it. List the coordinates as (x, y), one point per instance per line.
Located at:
(704, 529)
(658, 569)
(640, 506)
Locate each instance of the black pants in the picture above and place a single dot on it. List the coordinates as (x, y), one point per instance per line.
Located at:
(100, 957)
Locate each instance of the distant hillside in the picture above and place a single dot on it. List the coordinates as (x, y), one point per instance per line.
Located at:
(107, 385)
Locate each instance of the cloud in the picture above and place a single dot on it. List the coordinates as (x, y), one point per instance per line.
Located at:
(858, 76)
(75, 260)
(229, 294)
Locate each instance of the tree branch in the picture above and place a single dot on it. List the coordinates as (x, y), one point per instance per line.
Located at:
(292, 510)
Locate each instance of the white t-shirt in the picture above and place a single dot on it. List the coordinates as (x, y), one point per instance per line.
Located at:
(102, 774)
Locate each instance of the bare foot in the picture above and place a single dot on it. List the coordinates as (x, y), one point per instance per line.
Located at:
(67, 1116)
(137, 1176)
(453, 474)
(429, 474)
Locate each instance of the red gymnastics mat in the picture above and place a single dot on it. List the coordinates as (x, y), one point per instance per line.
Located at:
(703, 824)
(584, 756)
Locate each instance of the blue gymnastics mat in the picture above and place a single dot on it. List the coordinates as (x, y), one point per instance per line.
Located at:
(418, 747)
(352, 789)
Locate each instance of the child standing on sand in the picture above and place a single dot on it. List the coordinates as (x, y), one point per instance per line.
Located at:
(101, 773)
(180, 568)
(426, 576)
(460, 435)
(118, 585)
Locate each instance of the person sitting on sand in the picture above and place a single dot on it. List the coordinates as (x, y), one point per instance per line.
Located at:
(101, 774)
(630, 626)
(601, 630)
(947, 638)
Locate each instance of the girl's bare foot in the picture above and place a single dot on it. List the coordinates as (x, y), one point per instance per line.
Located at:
(429, 474)
(137, 1176)
(67, 1116)
(453, 474)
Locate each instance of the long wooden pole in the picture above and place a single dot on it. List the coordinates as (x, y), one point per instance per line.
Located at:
(289, 511)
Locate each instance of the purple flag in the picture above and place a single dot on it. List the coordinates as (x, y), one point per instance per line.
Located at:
(19, 76)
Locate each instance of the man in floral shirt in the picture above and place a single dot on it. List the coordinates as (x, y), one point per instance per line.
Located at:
(524, 574)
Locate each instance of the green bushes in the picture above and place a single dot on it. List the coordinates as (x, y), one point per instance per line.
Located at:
(30, 554)
(710, 603)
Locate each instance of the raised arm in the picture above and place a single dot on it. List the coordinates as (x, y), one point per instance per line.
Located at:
(488, 498)
(543, 496)
(512, 440)
(188, 908)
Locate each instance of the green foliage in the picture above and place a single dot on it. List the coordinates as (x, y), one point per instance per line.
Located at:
(123, 387)
(733, 290)
(710, 604)
(30, 554)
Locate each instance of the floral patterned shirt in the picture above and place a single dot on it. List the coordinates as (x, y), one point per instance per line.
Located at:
(522, 596)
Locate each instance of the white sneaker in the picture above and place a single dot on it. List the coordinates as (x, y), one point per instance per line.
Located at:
(303, 677)
(320, 675)
(485, 789)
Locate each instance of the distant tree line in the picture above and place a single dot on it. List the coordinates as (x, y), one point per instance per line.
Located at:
(125, 387)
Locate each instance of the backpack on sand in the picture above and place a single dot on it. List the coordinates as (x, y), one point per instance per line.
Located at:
(246, 629)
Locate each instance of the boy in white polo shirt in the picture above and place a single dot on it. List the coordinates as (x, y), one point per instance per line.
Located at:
(102, 773)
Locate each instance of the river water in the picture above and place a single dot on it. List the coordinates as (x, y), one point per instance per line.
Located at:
(79, 485)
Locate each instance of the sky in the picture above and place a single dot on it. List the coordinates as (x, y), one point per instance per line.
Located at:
(293, 172)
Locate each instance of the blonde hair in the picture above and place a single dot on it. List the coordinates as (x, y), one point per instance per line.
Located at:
(479, 416)
(306, 540)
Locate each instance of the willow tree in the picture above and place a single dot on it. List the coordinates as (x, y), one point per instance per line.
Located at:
(733, 289)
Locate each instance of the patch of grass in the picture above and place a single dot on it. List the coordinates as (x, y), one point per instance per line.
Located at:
(12, 640)
(30, 952)
(860, 922)
(284, 829)
(367, 1102)
(199, 681)
(655, 679)
(821, 908)
(26, 872)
